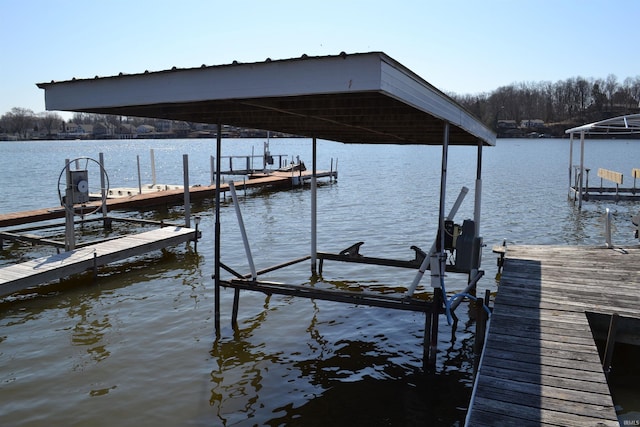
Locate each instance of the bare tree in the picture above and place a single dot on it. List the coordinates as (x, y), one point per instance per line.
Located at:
(50, 121)
(19, 121)
(610, 88)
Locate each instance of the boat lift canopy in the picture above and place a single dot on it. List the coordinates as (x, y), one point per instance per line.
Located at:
(357, 98)
(616, 126)
(353, 98)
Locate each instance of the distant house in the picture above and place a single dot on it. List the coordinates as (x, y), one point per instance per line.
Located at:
(163, 125)
(181, 129)
(75, 130)
(126, 129)
(507, 124)
(103, 130)
(532, 123)
(142, 129)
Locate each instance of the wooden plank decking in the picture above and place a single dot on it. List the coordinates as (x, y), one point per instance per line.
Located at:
(16, 277)
(540, 364)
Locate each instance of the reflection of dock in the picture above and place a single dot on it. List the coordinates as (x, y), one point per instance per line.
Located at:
(540, 364)
(17, 277)
(170, 197)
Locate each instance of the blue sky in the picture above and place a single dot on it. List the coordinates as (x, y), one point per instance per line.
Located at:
(461, 46)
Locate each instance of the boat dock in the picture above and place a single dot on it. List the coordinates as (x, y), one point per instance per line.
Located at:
(540, 364)
(166, 197)
(611, 182)
(17, 277)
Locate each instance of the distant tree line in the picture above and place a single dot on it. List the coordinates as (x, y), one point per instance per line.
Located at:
(559, 105)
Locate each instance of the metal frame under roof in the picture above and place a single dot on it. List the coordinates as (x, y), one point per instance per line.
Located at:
(627, 124)
(355, 98)
(358, 98)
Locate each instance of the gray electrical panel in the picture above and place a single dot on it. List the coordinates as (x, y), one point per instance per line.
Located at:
(468, 248)
(79, 186)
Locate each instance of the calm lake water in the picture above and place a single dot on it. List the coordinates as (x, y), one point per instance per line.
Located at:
(138, 347)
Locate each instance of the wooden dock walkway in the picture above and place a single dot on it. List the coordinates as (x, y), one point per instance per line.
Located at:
(540, 364)
(158, 198)
(16, 277)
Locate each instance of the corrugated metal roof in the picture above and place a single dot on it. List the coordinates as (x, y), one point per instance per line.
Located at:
(356, 98)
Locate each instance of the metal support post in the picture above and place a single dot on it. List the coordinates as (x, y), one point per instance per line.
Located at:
(245, 240)
(69, 226)
(570, 164)
(314, 219)
(581, 169)
(187, 195)
(216, 268)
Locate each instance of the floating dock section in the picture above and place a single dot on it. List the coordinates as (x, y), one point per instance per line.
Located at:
(18, 277)
(540, 364)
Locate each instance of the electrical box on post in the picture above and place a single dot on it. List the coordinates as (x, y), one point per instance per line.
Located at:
(80, 186)
(465, 244)
(448, 235)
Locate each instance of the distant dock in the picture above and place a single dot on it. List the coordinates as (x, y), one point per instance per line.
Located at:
(540, 364)
(170, 197)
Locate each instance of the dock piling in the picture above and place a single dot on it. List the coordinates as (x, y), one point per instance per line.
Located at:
(431, 333)
(187, 194)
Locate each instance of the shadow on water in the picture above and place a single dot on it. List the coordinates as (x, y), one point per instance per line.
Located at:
(623, 371)
(335, 381)
(415, 400)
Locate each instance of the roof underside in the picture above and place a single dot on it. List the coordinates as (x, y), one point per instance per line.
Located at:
(621, 125)
(360, 98)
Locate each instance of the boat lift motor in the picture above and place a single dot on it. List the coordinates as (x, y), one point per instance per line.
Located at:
(79, 186)
(468, 248)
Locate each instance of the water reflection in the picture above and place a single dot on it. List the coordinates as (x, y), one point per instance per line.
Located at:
(361, 377)
(238, 378)
(90, 330)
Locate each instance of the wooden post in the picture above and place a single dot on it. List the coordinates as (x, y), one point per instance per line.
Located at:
(431, 332)
(481, 329)
(139, 175)
(187, 195)
(480, 326)
(103, 193)
(153, 167)
(234, 312)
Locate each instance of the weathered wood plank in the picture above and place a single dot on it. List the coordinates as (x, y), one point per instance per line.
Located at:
(541, 415)
(557, 402)
(540, 364)
(549, 391)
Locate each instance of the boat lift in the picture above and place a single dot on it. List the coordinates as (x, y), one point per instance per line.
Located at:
(362, 98)
(579, 188)
(464, 240)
